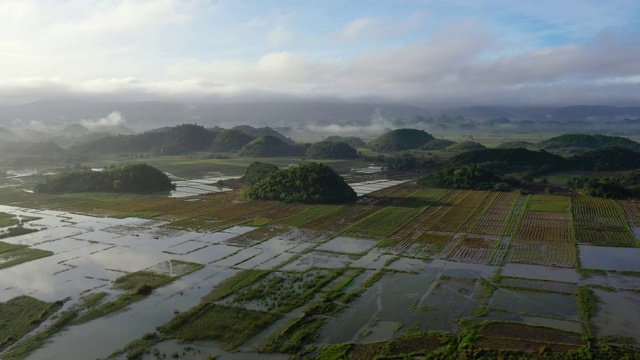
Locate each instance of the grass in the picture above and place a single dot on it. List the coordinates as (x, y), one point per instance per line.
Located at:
(294, 335)
(549, 203)
(139, 284)
(31, 343)
(587, 303)
(230, 326)
(21, 315)
(11, 254)
(16, 231)
(333, 352)
(234, 283)
(7, 220)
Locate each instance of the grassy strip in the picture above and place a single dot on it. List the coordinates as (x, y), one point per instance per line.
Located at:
(21, 315)
(587, 303)
(7, 220)
(140, 285)
(587, 307)
(294, 335)
(234, 283)
(350, 296)
(16, 231)
(31, 343)
(11, 255)
(230, 326)
(333, 351)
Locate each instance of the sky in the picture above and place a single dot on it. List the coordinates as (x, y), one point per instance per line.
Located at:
(426, 53)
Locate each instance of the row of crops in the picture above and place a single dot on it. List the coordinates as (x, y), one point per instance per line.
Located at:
(479, 226)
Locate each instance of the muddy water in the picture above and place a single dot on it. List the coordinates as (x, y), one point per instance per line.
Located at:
(618, 314)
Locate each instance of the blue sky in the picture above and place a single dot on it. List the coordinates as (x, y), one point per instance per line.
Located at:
(421, 52)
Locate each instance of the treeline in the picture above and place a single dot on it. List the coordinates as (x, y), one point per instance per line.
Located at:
(613, 187)
(135, 178)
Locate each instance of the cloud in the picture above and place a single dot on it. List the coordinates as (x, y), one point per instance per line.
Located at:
(371, 28)
(115, 119)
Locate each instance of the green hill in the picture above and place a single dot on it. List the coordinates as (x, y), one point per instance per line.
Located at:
(400, 139)
(608, 159)
(331, 150)
(354, 142)
(172, 140)
(309, 183)
(465, 146)
(512, 160)
(136, 178)
(230, 140)
(257, 132)
(267, 146)
(437, 144)
(515, 145)
(587, 141)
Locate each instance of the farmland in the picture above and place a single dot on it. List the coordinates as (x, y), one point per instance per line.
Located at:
(404, 270)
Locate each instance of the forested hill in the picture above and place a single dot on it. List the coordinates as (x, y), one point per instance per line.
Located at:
(136, 178)
(179, 139)
(587, 141)
(400, 139)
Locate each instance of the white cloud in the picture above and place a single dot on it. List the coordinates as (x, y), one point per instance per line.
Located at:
(112, 120)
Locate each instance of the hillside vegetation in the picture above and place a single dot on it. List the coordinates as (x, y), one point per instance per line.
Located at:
(309, 183)
(136, 178)
(588, 141)
(269, 146)
(400, 139)
(230, 140)
(354, 142)
(331, 150)
(511, 160)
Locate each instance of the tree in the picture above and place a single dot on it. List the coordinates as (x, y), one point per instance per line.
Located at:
(258, 171)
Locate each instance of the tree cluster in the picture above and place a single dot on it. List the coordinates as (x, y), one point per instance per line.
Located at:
(136, 178)
(474, 177)
(331, 150)
(309, 183)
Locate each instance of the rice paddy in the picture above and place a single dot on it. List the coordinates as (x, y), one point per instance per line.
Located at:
(406, 270)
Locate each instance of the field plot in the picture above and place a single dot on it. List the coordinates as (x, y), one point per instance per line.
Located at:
(473, 249)
(543, 238)
(382, 223)
(550, 203)
(632, 211)
(448, 214)
(506, 335)
(452, 219)
(494, 218)
(309, 214)
(601, 222)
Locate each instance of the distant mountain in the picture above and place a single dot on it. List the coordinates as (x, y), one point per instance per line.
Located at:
(143, 115)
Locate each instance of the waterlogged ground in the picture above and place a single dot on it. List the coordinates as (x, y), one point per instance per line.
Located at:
(455, 258)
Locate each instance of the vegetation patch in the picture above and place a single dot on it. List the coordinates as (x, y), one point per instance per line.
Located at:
(31, 343)
(601, 222)
(12, 254)
(138, 285)
(21, 315)
(308, 183)
(136, 178)
(535, 333)
(229, 326)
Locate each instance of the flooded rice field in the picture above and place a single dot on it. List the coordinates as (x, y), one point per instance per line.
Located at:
(294, 288)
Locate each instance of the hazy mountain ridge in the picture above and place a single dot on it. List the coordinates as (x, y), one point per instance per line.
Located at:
(145, 114)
